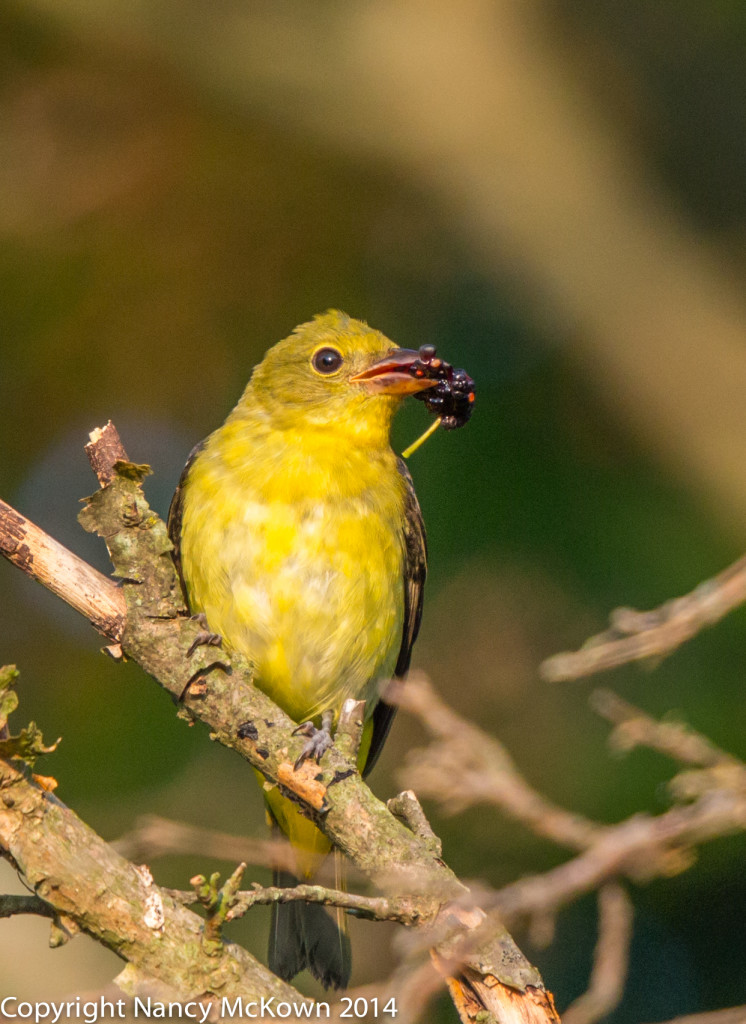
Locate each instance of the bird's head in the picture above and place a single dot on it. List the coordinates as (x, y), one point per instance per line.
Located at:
(334, 373)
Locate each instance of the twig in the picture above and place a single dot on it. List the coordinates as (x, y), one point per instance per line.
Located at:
(218, 901)
(45, 560)
(465, 766)
(154, 837)
(10, 905)
(713, 769)
(610, 958)
(104, 450)
(409, 989)
(378, 908)
(676, 740)
(414, 987)
(641, 848)
(732, 1015)
(635, 635)
(407, 808)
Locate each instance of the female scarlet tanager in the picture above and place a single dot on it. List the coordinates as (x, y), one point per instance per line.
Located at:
(299, 537)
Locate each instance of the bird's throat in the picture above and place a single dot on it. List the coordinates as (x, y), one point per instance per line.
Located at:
(305, 464)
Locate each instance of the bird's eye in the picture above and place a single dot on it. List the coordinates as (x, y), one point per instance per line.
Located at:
(327, 360)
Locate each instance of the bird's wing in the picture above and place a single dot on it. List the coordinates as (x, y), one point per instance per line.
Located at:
(176, 512)
(415, 570)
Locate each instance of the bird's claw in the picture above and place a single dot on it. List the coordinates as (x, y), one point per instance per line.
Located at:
(205, 638)
(317, 744)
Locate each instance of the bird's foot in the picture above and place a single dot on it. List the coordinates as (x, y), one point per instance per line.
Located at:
(319, 740)
(204, 638)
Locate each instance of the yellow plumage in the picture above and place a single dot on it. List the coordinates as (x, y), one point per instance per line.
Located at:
(294, 524)
(288, 548)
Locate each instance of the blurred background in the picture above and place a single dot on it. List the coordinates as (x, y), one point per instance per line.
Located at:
(552, 193)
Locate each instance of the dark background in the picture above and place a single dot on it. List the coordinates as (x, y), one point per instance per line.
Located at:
(553, 195)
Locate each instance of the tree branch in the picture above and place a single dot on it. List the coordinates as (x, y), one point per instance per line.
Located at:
(610, 958)
(80, 876)
(634, 635)
(733, 1015)
(465, 766)
(377, 908)
(10, 905)
(640, 848)
(154, 836)
(676, 740)
(43, 559)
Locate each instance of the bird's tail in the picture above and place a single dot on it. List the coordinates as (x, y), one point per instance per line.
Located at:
(307, 935)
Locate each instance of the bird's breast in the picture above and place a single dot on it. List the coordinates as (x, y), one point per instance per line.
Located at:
(308, 586)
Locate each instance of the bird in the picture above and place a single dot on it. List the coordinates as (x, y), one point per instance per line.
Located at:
(300, 542)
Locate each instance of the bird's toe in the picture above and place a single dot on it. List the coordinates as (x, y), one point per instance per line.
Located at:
(204, 638)
(316, 745)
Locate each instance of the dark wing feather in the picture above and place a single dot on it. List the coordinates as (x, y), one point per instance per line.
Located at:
(176, 513)
(415, 571)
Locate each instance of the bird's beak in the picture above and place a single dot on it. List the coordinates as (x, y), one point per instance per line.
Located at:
(393, 375)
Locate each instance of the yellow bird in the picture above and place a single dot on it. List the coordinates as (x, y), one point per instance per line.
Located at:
(299, 537)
